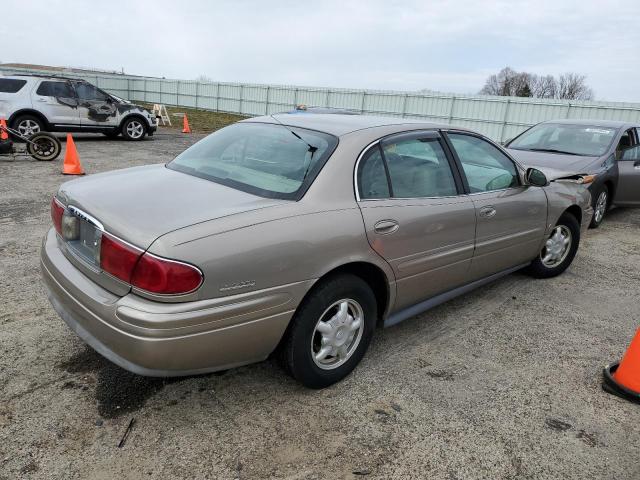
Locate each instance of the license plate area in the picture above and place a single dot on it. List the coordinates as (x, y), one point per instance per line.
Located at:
(87, 244)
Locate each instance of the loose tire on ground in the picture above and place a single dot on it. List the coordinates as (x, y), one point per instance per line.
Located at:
(552, 262)
(306, 337)
(44, 147)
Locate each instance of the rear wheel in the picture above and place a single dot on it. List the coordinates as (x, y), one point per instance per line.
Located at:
(134, 129)
(43, 146)
(28, 125)
(600, 206)
(330, 332)
(558, 250)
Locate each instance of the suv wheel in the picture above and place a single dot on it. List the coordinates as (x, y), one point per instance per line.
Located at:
(28, 125)
(558, 250)
(330, 332)
(134, 129)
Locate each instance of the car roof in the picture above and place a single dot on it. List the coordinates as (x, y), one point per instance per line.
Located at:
(593, 123)
(339, 124)
(27, 76)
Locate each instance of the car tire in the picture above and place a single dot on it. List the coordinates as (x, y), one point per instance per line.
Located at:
(134, 129)
(320, 355)
(28, 125)
(600, 204)
(555, 256)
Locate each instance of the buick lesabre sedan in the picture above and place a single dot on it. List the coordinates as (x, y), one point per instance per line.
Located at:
(608, 151)
(296, 235)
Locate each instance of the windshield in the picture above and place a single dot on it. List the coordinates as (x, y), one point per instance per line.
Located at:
(564, 138)
(260, 158)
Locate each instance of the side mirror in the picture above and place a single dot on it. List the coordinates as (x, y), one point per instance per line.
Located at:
(536, 178)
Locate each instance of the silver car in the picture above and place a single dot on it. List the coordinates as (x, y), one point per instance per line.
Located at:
(296, 234)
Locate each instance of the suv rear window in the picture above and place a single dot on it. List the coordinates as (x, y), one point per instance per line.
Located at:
(55, 89)
(11, 85)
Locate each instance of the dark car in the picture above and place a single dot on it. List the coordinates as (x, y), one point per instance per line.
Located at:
(608, 150)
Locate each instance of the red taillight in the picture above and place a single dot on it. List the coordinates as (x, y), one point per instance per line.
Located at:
(57, 210)
(117, 257)
(165, 277)
(146, 271)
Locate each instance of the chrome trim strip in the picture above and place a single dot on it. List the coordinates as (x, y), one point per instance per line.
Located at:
(355, 170)
(85, 216)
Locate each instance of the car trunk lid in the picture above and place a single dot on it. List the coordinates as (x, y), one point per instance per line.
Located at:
(140, 204)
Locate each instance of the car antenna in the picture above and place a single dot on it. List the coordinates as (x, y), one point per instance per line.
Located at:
(312, 149)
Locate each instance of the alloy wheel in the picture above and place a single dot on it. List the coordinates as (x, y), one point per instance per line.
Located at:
(601, 206)
(135, 129)
(28, 127)
(557, 247)
(337, 334)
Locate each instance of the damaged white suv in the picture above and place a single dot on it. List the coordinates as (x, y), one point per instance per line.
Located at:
(35, 103)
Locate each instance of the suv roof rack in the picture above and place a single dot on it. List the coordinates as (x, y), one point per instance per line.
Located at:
(42, 75)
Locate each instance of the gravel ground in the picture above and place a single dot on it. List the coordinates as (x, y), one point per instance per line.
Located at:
(502, 383)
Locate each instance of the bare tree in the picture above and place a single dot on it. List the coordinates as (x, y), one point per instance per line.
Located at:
(508, 82)
(573, 87)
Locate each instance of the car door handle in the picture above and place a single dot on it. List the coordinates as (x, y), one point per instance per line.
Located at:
(385, 227)
(43, 100)
(487, 212)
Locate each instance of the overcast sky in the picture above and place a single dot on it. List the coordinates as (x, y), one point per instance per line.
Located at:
(449, 46)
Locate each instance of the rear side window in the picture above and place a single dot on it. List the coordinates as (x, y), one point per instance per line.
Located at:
(372, 178)
(55, 89)
(11, 85)
(419, 168)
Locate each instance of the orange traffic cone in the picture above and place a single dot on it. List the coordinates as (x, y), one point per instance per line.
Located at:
(3, 131)
(185, 124)
(72, 164)
(623, 379)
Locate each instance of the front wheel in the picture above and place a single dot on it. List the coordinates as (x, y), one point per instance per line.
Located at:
(134, 129)
(600, 206)
(330, 332)
(558, 250)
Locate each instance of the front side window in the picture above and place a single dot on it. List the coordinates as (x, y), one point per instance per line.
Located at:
(588, 140)
(419, 168)
(11, 85)
(86, 91)
(485, 166)
(632, 153)
(55, 89)
(267, 160)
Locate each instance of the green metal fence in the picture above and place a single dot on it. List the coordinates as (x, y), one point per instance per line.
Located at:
(499, 118)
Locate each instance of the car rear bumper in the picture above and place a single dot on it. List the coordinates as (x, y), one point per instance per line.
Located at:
(168, 339)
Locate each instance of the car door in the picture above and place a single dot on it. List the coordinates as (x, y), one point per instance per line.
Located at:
(628, 192)
(416, 214)
(511, 216)
(57, 101)
(96, 108)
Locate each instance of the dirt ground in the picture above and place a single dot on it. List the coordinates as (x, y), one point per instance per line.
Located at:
(502, 383)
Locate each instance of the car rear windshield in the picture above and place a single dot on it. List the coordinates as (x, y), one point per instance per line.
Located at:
(268, 160)
(588, 140)
(11, 85)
